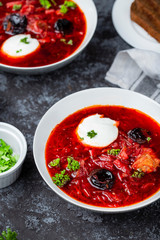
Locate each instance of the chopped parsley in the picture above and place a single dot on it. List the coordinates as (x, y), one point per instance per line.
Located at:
(91, 134)
(24, 40)
(63, 9)
(70, 42)
(1, 4)
(66, 5)
(81, 138)
(73, 165)
(70, 4)
(45, 3)
(17, 6)
(138, 174)
(7, 159)
(60, 179)
(148, 139)
(55, 163)
(113, 152)
(8, 235)
(20, 50)
(63, 40)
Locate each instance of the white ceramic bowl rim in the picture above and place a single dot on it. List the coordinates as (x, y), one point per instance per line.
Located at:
(110, 93)
(76, 52)
(13, 130)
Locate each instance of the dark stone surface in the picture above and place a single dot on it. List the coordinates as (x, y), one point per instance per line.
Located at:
(29, 206)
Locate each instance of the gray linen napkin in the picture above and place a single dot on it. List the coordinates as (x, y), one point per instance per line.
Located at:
(137, 70)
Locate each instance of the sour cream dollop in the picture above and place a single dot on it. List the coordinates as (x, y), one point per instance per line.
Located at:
(19, 46)
(97, 131)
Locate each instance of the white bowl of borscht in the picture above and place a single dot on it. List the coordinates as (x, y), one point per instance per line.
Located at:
(38, 36)
(100, 149)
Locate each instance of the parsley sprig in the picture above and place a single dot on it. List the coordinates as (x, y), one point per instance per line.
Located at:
(60, 179)
(7, 159)
(67, 4)
(148, 139)
(1, 4)
(17, 6)
(91, 134)
(8, 235)
(63, 9)
(73, 165)
(138, 174)
(70, 4)
(24, 40)
(55, 163)
(18, 51)
(45, 3)
(70, 42)
(113, 152)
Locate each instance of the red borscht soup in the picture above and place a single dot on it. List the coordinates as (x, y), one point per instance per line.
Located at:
(47, 31)
(107, 156)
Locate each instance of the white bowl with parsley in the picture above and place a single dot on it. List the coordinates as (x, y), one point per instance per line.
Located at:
(13, 148)
(57, 149)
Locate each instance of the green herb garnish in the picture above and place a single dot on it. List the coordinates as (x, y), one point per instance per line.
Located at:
(91, 134)
(138, 174)
(70, 4)
(63, 9)
(17, 6)
(63, 40)
(8, 235)
(20, 50)
(1, 4)
(7, 159)
(73, 165)
(113, 152)
(60, 179)
(45, 3)
(81, 138)
(66, 5)
(55, 163)
(148, 139)
(70, 42)
(24, 40)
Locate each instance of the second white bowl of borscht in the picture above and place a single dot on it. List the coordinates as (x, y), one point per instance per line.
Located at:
(39, 36)
(100, 149)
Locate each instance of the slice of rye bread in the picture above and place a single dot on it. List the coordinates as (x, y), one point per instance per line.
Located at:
(145, 21)
(152, 5)
(150, 14)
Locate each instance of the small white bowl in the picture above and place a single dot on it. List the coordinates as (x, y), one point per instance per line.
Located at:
(71, 104)
(13, 137)
(90, 12)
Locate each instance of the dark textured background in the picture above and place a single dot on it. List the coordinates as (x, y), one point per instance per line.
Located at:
(29, 206)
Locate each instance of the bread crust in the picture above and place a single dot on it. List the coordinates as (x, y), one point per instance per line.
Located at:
(152, 5)
(146, 18)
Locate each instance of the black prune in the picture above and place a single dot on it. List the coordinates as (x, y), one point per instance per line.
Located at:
(15, 24)
(139, 135)
(64, 26)
(101, 179)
